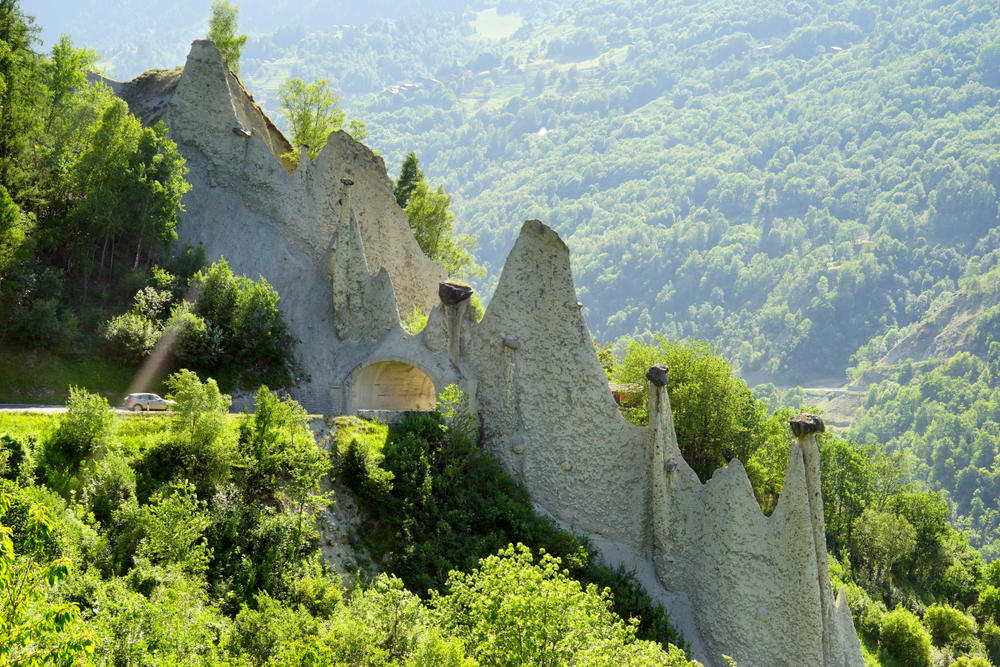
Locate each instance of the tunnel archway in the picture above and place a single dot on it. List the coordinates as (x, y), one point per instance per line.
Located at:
(391, 385)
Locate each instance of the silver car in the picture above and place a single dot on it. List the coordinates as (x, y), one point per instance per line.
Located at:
(145, 402)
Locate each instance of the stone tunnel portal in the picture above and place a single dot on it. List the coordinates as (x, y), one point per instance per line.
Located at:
(392, 385)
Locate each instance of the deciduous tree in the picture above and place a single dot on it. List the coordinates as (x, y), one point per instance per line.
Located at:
(222, 31)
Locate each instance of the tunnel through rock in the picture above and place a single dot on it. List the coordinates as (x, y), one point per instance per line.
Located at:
(392, 385)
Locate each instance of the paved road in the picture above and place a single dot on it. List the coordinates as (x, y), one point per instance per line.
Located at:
(49, 409)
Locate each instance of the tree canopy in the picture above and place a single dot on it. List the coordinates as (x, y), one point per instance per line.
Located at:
(222, 29)
(312, 111)
(433, 223)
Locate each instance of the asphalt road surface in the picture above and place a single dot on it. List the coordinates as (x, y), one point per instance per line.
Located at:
(54, 409)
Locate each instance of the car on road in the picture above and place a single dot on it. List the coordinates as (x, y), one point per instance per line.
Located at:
(146, 402)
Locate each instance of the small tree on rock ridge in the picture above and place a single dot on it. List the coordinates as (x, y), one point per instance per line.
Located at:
(222, 32)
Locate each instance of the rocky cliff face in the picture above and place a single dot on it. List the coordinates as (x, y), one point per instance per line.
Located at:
(330, 237)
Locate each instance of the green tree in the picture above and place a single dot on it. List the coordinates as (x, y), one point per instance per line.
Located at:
(433, 226)
(409, 175)
(14, 229)
(905, 639)
(313, 111)
(173, 525)
(948, 625)
(65, 73)
(86, 426)
(128, 186)
(33, 630)
(513, 611)
(716, 416)
(22, 99)
(201, 409)
(222, 31)
(880, 540)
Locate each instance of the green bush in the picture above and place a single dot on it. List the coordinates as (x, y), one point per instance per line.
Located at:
(989, 603)
(904, 638)
(971, 661)
(196, 343)
(18, 456)
(246, 312)
(948, 625)
(86, 425)
(989, 634)
(110, 486)
(132, 335)
(867, 613)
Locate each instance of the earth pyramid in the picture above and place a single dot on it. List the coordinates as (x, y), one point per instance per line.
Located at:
(332, 240)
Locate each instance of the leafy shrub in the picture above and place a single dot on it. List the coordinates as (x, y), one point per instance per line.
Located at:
(905, 639)
(279, 450)
(971, 661)
(948, 625)
(511, 610)
(989, 634)
(174, 523)
(196, 343)
(132, 335)
(247, 313)
(110, 486)
(18, 456)
(989, 603)
(86, 425)
(415, 321)
(867, 613)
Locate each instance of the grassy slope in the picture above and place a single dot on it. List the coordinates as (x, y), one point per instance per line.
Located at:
(30, 375)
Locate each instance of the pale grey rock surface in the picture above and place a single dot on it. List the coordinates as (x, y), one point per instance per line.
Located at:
(757, 586)
(249, 205)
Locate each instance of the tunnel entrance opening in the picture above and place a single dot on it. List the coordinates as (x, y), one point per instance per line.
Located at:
(392, 386)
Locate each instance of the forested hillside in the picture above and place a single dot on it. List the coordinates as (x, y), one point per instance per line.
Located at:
(785, 180)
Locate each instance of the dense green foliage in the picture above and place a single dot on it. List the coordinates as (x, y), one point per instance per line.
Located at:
(193, 539)
(944, 415)
(432, 223)
(441, 504)
(89, 210)
(32, 630)
(222, 32)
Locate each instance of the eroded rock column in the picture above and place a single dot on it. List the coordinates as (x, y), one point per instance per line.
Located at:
(804, 427)
(455, 301)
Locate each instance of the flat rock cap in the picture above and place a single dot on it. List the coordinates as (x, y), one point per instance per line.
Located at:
(452, 293)
(804, 423)
(658, 375)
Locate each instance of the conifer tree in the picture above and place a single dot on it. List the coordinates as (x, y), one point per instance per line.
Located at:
(409, 176)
